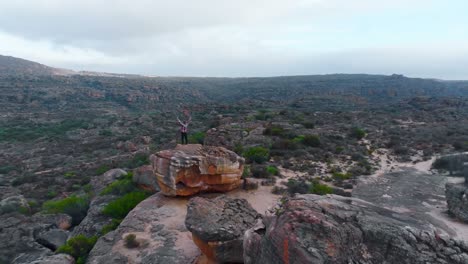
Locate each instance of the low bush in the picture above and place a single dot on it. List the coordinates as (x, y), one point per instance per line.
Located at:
(274, 131)
(341, 176)
(78, 247)
(121, 186)
(357, 133)
(75, 206)
(197, 138)
(130, 241)
(320, 189)
(297, 186)
(259, 171)
(309, 125)
(257, 154)
(272, 170)
(111, 226)
(102, 169)
(119, 208)
(312, 140)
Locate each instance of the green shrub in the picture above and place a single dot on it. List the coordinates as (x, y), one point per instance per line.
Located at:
(320, 189)
(75, 206)
(238, 148)
(309, 125)
(111, 226)
(69, 175)
(121, 186)
(6, 169)
(274, 131)
(357, 133)
(78, 247)
(312, 140)
(105, 132)
(339, 149)
(102, 169)
(299, 139)
(257, 154)
(119, 208)
(51, 194)
(272, 170)
(138, 160)
(197, 138)
(246, 172)
(297, 186)
(130, 241)
(341, 176)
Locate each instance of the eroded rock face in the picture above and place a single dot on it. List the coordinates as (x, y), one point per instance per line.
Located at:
(20, 235)
(158, 224)
(190, 169)
(333, 229)
(218, 226)
(144, 177)
(457, 200)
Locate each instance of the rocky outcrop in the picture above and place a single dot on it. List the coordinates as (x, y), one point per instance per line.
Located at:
(101, 182)
(457, 200)
(53, 238)
(13, 203)
(53, 259)
(334, 229)
(20, 236)
(190, 169)
(158, 224)
(144, 177)
(218, 226)
(95, 219)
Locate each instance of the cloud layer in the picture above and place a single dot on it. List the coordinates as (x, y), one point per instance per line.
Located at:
(240, 38)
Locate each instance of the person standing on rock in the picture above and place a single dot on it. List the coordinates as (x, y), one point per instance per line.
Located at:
(184, 127)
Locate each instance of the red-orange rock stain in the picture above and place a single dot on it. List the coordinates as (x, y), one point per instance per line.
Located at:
(286, 251)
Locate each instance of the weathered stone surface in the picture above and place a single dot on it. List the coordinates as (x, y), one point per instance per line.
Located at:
(53, 238)
(218, 226)
(190, 169)
(335, 229)
(100, 182)
(13, 203)
(95, 220)
(19, 235)
(54, 259)
(158, 223)
(145, 178)
(457, 200)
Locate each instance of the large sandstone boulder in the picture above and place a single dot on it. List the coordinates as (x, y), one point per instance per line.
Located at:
(334, 229)
(218, 226)
(190, 169)
(457, 200)
(158, 224)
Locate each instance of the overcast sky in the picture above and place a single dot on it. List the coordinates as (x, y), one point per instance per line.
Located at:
(423, 38)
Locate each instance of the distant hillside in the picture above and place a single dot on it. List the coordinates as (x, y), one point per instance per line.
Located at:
(26, 84)
(16, 66)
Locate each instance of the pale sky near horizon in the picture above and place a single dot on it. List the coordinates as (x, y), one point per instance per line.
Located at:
(418, 38)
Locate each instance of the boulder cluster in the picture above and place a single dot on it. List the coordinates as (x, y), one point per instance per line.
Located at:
(317, 229)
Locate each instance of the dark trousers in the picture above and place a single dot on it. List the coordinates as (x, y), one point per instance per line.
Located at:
(183, 136)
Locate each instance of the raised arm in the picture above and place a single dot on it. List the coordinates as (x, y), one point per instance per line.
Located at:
(180, 122)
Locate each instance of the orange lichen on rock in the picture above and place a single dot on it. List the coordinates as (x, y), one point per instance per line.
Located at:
(190, 169)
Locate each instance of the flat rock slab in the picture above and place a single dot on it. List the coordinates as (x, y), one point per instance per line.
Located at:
(334, 229)
(414, 193)
(158, 223)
